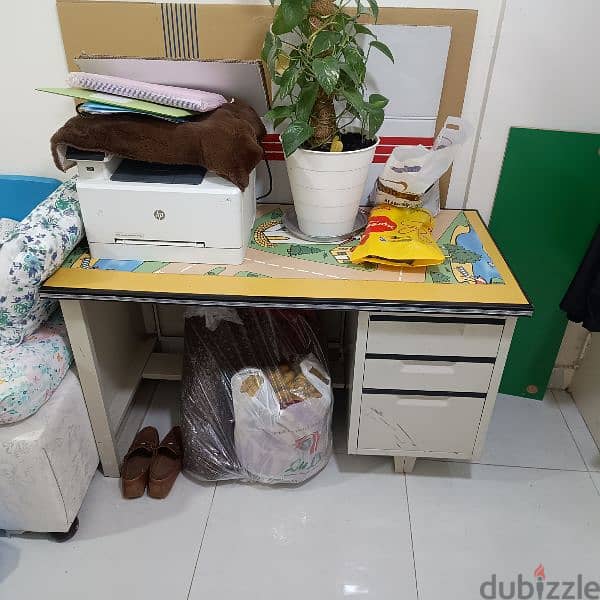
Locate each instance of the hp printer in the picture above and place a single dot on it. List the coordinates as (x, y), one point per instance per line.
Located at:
(154, 212)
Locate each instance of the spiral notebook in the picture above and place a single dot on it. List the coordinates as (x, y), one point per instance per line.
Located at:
(178, 97)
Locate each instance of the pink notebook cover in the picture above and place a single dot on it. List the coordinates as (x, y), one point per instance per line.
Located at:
(187, 98)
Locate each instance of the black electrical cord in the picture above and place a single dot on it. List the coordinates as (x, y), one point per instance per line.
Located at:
(270, 180)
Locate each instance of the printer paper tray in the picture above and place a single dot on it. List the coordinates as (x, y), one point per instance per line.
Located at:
(163, 243)
(184, 252)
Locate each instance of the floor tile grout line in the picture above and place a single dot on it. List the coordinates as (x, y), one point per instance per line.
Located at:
(570, 430)
(212, 500)
(589, 471)
(412, 542)
(509, 466)
(534, 467)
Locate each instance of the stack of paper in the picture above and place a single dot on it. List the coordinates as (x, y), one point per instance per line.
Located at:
(96, 108)
(119, 104)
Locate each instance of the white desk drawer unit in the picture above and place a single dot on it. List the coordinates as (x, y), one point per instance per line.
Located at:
(425, 385)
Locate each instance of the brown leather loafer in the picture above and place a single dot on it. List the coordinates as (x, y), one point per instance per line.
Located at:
(166, 465)
(137, 462)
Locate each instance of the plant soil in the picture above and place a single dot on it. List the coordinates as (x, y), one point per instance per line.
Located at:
(352, 141)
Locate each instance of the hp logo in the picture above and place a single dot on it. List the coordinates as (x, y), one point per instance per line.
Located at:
(159, 215)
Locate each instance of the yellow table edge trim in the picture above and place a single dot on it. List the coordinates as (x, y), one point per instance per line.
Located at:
(111, 282)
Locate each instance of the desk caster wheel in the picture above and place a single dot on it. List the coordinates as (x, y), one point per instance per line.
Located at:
(65, 536)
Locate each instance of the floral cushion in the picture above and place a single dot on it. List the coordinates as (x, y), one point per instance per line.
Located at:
(30, 373)
(30, 254)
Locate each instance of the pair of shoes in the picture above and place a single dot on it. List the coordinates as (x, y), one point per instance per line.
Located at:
(151, 464)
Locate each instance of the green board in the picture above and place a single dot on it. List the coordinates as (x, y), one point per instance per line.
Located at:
(547, 209)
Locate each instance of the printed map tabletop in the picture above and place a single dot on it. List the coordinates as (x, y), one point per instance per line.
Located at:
(275, 259)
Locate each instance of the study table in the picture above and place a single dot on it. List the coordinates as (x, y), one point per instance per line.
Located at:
(426, 347)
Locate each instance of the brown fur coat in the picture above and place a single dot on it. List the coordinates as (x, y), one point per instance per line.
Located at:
(225, 141)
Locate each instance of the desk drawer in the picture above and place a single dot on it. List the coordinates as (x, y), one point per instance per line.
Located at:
(419, 423)
(426, 375)
(444, 336)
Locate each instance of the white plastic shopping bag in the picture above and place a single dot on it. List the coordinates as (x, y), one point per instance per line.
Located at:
(283, 421)
(411, 171)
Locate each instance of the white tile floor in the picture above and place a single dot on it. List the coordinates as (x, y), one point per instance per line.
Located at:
(356, 530)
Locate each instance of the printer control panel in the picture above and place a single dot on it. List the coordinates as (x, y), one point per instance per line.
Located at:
(135, 171)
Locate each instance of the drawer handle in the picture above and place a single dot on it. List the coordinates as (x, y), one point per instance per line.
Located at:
(437, 368)
(423, 401)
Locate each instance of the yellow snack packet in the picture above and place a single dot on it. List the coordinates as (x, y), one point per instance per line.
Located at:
(399, 237)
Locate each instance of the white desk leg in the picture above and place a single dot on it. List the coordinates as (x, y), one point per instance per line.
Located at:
(110, 350)
(404, 464)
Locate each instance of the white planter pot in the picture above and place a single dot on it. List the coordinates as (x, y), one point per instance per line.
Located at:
(327, 188)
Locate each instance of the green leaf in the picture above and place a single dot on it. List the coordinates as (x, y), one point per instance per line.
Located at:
(279, 113)
(376, 117)
(295, 135)
(289, 15)
(306, 101)
(374, 9)
(356, 62)
(362, 29)
(324, 40)
(268, 45)
(327, 72)
(346, 68)
(383, 48)
(288, 81)
(355, 100)
(270, 49)
(378, 101)
(340, 21)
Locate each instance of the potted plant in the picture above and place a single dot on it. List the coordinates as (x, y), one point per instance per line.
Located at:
(316, 52)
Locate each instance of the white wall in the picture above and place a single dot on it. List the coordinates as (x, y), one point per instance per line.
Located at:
(545, 76)
(31, 56)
